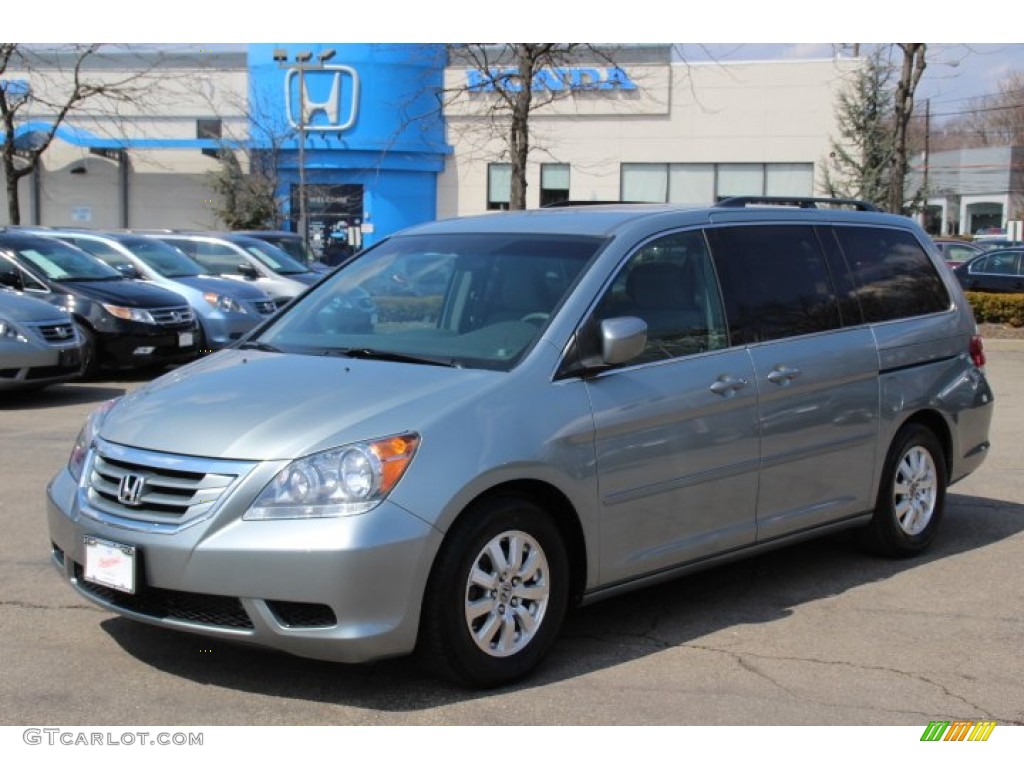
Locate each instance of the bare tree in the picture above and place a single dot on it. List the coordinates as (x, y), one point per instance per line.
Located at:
(246, 180)
(903, 108)
(55, 83)
(996, 120)
(507, 75)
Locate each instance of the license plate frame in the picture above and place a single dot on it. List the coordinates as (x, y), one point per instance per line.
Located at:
(110, 564)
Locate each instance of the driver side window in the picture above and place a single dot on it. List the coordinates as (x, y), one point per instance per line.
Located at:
(670, 284)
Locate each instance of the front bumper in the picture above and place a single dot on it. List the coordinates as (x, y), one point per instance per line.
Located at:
(35, 364)
(137, 345)
(343, 589)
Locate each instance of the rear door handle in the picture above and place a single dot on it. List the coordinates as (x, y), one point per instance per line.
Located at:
(782, 375)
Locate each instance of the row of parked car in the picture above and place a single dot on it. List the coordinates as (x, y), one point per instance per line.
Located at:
(78, 300)
(989, 266)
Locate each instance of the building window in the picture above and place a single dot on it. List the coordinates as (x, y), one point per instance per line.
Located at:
(554, 183)
(208, 129)
(644, 183)
(704, 183)
(499, 186)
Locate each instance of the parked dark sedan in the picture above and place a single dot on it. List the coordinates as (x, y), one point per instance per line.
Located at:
(993, 272)
(125, 323)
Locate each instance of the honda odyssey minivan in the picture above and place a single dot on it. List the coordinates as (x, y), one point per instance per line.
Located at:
(580, 401)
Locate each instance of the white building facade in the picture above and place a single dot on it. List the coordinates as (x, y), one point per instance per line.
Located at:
(643, 128)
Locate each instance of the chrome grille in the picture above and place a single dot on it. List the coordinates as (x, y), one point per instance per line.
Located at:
(154, 488)
(264, 307)
(173, 316)
(57, 331)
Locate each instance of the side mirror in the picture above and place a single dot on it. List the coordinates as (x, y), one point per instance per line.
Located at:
(622, 339)
(248, 271)
(129, 271)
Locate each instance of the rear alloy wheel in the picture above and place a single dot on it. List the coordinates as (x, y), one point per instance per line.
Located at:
(912, 495)
(497, 595)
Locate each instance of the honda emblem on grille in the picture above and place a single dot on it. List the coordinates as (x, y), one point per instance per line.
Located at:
(130, 490)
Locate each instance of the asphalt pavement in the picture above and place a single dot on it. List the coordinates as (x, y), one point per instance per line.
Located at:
(816, 634)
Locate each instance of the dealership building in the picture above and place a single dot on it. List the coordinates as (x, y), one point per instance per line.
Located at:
(384, 136)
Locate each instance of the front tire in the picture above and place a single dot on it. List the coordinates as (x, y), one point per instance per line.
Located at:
(497, 595)
(90, 354)
(912, 495)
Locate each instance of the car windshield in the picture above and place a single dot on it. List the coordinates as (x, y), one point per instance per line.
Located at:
(165, 259)
(273, 257)
(62, 262)
(467, 300)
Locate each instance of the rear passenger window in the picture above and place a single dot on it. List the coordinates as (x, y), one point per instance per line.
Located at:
(670, 285)
(774, 281)
(892, 272)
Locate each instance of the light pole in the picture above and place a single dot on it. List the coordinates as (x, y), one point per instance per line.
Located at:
(303, 63)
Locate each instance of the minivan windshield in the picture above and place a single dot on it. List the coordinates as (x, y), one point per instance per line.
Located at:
(165, 259)
(62, 262)
(466, 300)
(273, 257)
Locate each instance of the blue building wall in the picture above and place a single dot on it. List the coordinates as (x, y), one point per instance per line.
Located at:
(378, 128)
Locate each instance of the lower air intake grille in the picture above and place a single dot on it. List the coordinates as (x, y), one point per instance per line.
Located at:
(213, 610)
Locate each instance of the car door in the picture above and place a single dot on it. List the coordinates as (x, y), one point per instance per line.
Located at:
(816, 374)
(996, 273)
(676, 428)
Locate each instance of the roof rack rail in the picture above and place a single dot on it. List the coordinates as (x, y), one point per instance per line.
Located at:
(798, 202)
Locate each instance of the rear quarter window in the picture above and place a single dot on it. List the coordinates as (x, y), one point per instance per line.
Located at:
(893, 275)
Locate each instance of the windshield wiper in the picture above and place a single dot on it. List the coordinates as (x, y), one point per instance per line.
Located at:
(260, 345)
(364, 353)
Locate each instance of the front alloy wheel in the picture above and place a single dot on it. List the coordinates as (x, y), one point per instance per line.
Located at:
(497, 594)
(507, 593)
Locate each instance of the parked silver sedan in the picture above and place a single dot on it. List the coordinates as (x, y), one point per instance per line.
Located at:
(39, 345)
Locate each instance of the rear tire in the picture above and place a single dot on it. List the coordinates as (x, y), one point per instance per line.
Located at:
(912, 495)
(497, 595)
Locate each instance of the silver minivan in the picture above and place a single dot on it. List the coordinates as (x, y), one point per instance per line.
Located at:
(587, 401)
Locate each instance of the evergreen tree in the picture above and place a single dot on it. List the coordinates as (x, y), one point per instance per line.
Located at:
(860, 163)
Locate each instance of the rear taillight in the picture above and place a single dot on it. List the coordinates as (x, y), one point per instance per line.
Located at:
(977, 350)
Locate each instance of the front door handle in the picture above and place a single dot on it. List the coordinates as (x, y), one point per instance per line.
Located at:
(782, 375)
(727, 385)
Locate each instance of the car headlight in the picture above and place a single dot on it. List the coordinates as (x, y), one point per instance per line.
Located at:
(342, 481)
(223, 303)
(76, 461)
(10, 332)
(130, 313)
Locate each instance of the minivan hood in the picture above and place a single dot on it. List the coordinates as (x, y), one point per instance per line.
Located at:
(15, 306)
(123, 293)
(253, 405)
(231, 288)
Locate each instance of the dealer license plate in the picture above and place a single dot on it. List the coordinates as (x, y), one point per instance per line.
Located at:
(110, 564)
(185, 339)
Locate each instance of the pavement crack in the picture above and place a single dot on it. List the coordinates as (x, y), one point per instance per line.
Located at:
(742, 660)
(41, 607)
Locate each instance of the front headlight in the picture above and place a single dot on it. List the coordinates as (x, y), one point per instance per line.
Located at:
(130, 313)
(76, 461)
(10, 332)
(223, 303)
(342, 481)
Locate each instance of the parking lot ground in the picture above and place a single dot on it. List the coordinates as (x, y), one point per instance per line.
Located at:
(816, 634)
